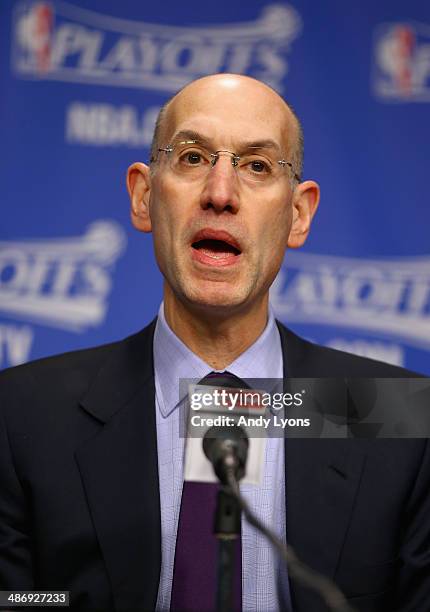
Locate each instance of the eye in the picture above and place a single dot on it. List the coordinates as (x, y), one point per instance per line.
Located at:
(259, 166)
(256, 167)
(193, 158)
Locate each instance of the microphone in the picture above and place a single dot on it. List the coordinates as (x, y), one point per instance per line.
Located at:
(227, 450)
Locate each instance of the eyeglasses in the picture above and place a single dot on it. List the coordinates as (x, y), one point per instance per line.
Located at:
(192, 160)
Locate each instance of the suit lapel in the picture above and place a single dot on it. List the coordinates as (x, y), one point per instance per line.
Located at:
(119, 470)
(322, 480)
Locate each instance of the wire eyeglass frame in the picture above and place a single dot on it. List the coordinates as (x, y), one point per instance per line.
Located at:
(235, 158)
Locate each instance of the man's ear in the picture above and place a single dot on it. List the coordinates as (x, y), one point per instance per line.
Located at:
(139, 189)
(305, 203)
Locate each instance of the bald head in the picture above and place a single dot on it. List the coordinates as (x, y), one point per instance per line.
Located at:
(222, 91)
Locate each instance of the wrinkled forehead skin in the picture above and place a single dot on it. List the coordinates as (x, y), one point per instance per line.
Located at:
(229, 109)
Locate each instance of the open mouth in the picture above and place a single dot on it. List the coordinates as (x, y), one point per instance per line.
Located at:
(215, 248)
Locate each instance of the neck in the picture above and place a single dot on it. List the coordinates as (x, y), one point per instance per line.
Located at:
(218, 338)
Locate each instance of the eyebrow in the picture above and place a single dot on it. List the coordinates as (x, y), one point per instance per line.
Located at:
(266, 143)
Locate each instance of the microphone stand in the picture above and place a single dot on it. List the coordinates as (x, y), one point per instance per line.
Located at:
(226, 448)
(227, 531)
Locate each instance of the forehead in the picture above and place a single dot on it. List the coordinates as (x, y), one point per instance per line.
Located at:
(230, 112)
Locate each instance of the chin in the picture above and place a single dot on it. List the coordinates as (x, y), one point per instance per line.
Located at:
(216, 299)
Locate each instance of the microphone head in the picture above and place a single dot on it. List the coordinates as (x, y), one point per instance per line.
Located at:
(226, 447)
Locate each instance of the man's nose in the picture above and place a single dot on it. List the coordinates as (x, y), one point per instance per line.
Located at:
(221, 190)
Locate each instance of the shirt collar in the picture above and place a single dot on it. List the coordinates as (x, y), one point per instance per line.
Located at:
(173, 360)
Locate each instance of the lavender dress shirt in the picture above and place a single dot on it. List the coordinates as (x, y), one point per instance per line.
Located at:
(264, 577)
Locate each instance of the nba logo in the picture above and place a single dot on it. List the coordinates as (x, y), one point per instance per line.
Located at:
(396, 55)
(401, 68)
(34, 29)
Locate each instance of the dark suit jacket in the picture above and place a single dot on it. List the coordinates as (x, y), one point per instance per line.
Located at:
(79, 495)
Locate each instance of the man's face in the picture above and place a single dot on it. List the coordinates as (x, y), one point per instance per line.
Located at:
(220, 240)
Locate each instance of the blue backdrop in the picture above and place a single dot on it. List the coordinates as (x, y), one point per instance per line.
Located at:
(81, 84)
